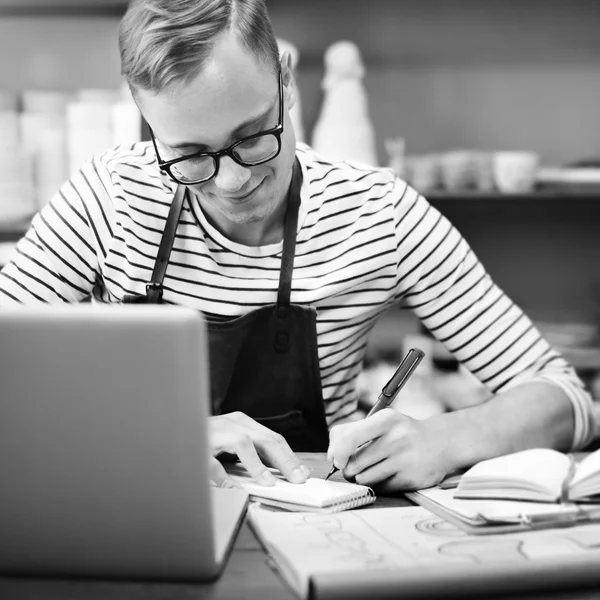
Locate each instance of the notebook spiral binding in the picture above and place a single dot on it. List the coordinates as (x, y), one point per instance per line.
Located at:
(354, 500)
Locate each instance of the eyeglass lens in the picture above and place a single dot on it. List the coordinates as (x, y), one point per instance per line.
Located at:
(249, 152)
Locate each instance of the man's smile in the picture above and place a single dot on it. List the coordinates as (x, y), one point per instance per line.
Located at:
(244, 197)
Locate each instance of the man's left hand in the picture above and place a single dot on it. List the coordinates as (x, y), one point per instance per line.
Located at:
(389, 450)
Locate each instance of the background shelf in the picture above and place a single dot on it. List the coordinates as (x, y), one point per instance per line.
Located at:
(62, 7)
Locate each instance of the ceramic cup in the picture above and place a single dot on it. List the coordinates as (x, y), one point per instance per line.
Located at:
(515, 172)
(457, 170)
(423, 171)
(483, 170)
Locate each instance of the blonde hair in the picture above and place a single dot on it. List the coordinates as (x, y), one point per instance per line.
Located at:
(163, 42)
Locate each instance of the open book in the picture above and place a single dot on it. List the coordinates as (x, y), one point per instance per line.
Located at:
(316, 495)
(540, 475)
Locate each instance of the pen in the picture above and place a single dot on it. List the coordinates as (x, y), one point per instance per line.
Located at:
(393, 386)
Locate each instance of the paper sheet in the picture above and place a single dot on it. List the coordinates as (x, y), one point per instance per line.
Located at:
(305, 545)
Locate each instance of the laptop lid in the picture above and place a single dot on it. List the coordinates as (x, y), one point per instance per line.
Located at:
(104, 447)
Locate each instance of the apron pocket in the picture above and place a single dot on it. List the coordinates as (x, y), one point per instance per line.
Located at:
(291, 425)
(297, 430)
(292, 416)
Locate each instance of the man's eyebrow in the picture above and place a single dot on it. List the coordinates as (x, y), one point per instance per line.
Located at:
(247, 123)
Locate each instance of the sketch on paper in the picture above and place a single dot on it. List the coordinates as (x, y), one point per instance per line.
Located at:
(370, 540)
(388, 538)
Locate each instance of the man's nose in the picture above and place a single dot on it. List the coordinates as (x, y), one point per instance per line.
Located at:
(231, 176)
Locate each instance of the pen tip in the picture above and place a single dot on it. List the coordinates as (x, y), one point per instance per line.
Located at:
(331, 472)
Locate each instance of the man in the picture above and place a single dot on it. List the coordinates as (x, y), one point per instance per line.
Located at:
(291, 258)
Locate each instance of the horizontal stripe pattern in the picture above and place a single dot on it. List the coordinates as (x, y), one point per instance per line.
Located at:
(366, 240)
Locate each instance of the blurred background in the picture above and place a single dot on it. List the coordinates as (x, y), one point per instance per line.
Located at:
(464, 98)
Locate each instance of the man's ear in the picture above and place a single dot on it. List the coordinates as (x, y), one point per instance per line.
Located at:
(289, 83)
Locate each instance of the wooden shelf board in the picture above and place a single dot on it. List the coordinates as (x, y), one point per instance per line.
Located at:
(543, 194)
(62, 8)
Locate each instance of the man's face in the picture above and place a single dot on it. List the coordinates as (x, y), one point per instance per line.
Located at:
(234, 96)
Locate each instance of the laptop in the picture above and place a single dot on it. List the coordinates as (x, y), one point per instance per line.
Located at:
(104, 446)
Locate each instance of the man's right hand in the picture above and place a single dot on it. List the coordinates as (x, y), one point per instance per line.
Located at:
(237, 433)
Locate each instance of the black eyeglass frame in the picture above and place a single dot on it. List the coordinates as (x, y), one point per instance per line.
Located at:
(276, 131)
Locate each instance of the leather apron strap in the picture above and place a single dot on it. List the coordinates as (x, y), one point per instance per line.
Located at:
(282, 336)
(289, 238)
(154, 289)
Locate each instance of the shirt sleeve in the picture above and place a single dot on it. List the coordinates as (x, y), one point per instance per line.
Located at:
(443, 282)
(58, 258)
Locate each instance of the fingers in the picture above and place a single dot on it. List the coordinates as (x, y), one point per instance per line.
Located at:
(218, 475)
(250, 441)
(377, 471)
(249, 458)
(389, 476)
(241, 445)
(278, 453)
(345, 440)
(367, 455)
(407, 456)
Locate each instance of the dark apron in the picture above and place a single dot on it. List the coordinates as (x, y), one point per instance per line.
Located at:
(264, 363)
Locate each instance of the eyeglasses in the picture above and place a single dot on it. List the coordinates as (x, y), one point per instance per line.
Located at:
(249, 151)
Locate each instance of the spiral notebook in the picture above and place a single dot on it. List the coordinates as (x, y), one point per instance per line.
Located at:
(316, 495)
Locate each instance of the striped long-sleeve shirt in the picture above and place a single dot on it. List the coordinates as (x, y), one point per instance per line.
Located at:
(365, 241)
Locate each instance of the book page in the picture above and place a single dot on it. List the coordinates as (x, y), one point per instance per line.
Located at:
(586, 481)
(535, 474)
(371, 540)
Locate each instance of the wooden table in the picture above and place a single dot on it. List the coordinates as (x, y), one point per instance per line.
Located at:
(247, 575)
